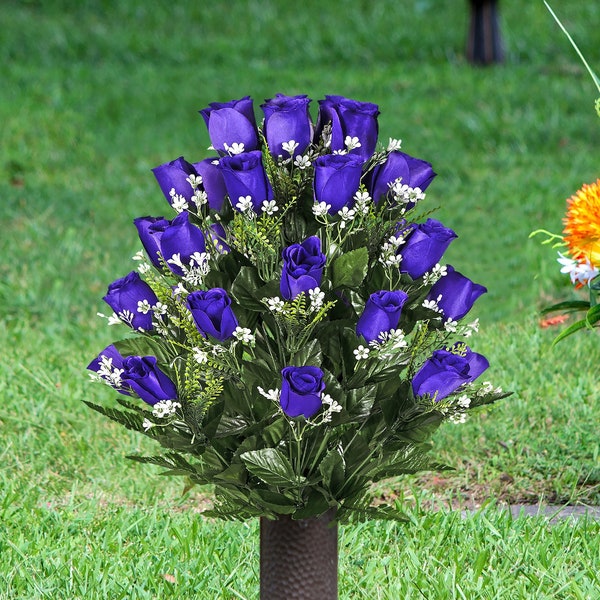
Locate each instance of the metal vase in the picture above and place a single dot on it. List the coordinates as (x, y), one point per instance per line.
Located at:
(299, 559)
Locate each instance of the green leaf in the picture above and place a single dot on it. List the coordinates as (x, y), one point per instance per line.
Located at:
(309, 354)
(571, 305)
(332, 469)
(145, 346)
(273, 501)
(272, 467)
(350, 269)
(245, 288)
(591, 318)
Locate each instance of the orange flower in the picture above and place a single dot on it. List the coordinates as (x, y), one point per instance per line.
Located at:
(582, 224)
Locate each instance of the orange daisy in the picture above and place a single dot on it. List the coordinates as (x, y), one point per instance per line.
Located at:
(582, 224)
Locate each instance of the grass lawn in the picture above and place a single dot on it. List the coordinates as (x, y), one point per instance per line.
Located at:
(96, 93)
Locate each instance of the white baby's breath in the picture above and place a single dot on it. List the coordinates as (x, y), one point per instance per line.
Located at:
(320, 208)
(235, 148)
(269, 207)
(302, 162)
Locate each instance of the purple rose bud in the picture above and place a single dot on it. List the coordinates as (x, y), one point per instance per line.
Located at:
(458, 294)
(245, 175)
(109, 366)
(231, 123)
(302, 267)
(301, 389)
(150, 230)
(183, 239)
(173, 176)
(350, 118)
(337, 179)
(287, 118)
(212, 313)
(414, 172)
(424, 246)
(212, 182)
(128, 296)
(445, 372)
(144, 377)
(381, 314)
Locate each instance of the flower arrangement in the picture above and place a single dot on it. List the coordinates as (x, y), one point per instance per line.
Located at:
(580, 239)
(295, 337)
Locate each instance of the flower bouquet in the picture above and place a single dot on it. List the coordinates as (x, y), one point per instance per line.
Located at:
(580, 240)
(294, 335)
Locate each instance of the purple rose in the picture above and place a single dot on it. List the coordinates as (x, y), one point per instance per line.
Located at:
(212, 182)
(231, 123)
(181, 238)
(212, 313)
(458, 294)
(446, 371)
(142, 375)
(350, 118)
(109, 365)
(414, 172)
(337, 179)
(245, 175)
(173, 176)
(424, 246)
(127, 296)
(381, 313)
(150, 230)
(301, 389)
(287, 118)
(302, 267)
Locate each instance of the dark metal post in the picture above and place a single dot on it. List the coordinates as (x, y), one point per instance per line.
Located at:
(299, 559)
(484, 43)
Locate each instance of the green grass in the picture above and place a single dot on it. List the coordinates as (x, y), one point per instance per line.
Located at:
(95, 94)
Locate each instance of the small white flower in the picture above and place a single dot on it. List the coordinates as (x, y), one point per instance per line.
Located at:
(486, 388)
(394, 144)
(272, 395)
(340, 152)
(435, 274)
(176, 260)
(275, 304)
(147, 425)
(316, 298)
(398, 339)
(451, 326)
(290, 146)
(139, 256)
(244, 335)
(178, 202)
(320, 208)
(351, 143)
(302, 162)
(433, 304)
(244, 204)
(126, 316)
(579, 272)
(235, 148)
(200, 198)
(194, 180)
(361, 353)
(143, 306)
(200, 356)
(464, 401)
(160, 309)
(144, 267)
(347, 214)
(165, 408)
(270, 207)
(178, 290)
(458, 419)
